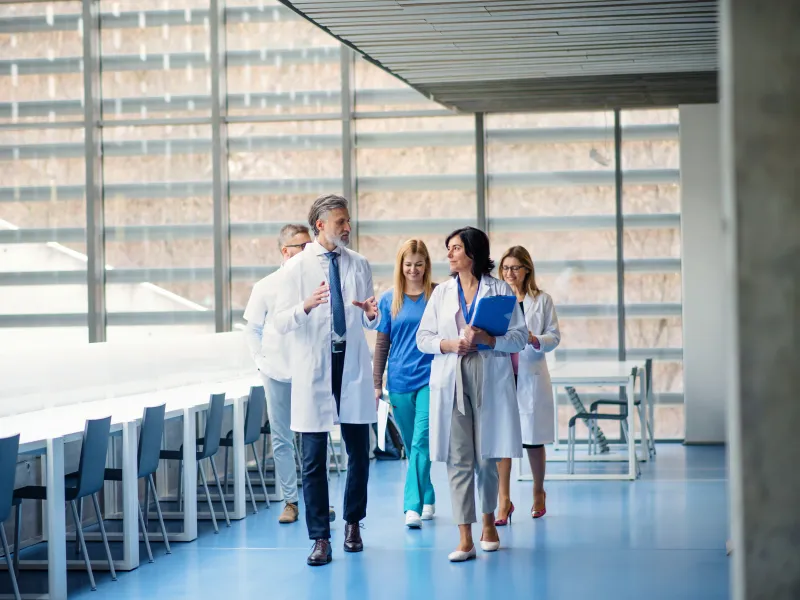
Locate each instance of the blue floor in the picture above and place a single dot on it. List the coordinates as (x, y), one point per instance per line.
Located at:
(662, 537)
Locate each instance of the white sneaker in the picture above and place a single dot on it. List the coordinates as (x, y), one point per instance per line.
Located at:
(413, 520)
(428, 510)
(461, 556)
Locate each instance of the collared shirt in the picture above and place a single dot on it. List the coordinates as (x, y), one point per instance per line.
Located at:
(324, 262)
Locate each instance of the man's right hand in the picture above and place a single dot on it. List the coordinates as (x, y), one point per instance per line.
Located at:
(320, 296)
(460, 346)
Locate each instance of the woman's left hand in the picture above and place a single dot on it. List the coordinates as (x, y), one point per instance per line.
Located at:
(477, 336)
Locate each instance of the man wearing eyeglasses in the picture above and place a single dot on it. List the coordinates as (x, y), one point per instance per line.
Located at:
(270, 353)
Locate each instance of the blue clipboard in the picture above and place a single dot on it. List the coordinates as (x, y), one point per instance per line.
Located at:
(493, 315)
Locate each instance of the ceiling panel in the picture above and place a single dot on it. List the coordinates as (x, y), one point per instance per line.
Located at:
(500, 55)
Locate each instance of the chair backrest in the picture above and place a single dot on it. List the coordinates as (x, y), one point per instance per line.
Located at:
(9, 447)
(256, 404)
(150, 439)
(213, 425)
(92, 465)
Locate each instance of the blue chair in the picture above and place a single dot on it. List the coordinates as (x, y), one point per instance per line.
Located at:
(210, 443)
(150, 436)
(9, 447)
(86, 481)
(256, 406)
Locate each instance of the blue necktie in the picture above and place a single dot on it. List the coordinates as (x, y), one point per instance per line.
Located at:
(337, 303)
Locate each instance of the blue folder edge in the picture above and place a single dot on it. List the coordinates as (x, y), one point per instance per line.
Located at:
(493, 315)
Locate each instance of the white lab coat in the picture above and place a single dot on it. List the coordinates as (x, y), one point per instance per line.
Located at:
(313, 404)
(499, 416)
(534, 390)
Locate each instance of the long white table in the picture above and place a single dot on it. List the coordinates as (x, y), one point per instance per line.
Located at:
(47, 430)
(600, 373)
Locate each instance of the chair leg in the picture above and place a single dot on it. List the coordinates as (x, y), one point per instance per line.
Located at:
(103, 535)
(80, 516)
(250, 489)
(10, 564)
(17, 535)
(261, 474)
(82, 542)
(225, 475)
(152, 484)
(146, 506)
(208, 495)
(219, 489)
(145, 536)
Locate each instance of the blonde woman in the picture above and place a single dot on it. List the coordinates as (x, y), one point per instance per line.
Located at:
(534, 391)
(409, 373)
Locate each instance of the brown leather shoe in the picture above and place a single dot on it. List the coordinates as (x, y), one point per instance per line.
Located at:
(290, 513)
(321, 554)
(352, 538)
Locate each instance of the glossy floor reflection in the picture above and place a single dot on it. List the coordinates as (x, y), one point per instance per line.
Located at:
(662, 537)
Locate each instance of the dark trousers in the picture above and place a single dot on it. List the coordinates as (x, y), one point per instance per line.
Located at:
(315, 468)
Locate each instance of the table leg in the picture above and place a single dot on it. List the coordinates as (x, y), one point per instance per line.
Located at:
(555, 416)
(130, 498)
(645, 445)
(629, 390)
(56, 521)
(189, 476)
(239, 463)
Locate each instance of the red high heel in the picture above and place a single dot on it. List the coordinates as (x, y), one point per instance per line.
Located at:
(539, 509)
(507, 520)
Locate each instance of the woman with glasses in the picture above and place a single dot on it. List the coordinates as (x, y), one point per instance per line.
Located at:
(409, 373)
(534, 391)
(474, 414)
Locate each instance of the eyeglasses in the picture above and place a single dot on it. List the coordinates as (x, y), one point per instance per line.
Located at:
(301, 246)
(512, 269)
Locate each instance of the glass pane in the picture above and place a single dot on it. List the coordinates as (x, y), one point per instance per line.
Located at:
(276, 171)
(159, 244)
(278, 63)
(43, 295)
(41, 67)
(154, 65)
(410, 171)
(551, 190)
(651, 207)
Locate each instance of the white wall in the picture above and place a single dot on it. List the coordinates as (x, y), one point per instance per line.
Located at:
(704, 336)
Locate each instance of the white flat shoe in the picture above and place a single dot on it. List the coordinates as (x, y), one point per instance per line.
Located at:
(490, 546)
(461, 556)
(428, 510)
(413, 520)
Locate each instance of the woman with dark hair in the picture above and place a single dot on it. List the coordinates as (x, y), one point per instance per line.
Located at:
(471, 368)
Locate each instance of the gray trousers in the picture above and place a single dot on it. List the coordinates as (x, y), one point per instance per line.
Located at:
(279, 409)
(463, 460)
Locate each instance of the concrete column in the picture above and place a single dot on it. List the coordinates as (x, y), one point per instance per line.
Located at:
(760, 99)
(703, 275)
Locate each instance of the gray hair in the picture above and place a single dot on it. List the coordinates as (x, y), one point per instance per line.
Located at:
(322, 206)
(288, 232)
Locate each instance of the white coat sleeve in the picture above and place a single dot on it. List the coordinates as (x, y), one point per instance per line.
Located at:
(428, 339)
(288, 312)
(517, 335)
(369, 292)
(551, 337)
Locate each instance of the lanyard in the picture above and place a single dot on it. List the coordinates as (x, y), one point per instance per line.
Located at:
(462, 299)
